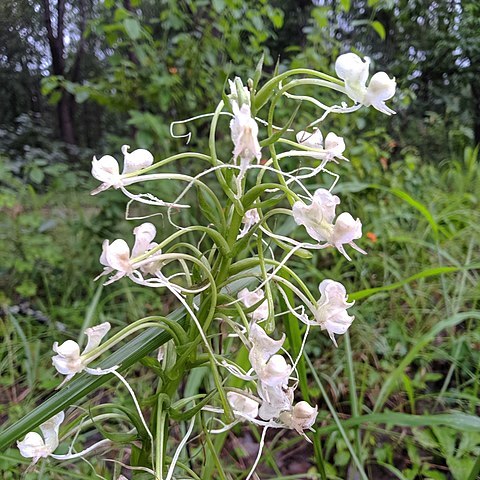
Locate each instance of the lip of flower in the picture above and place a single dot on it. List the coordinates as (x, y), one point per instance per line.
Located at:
(34, 446)
(107, 169)
(275, 372)
(301, 417)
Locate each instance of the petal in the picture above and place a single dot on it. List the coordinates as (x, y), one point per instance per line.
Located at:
(144, 235)
(137, 160)
(106, 169)
(50, 430)
(68, 349)
(117, 256)
(244, 132)
(335, 145)
(33, 446)
(263, 346)
(311, 140)
(276, 372)
(251, 298)
(351, 68)
(346, 229)
(95, 336)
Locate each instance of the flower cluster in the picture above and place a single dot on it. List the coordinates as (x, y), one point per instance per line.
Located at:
(231, 270)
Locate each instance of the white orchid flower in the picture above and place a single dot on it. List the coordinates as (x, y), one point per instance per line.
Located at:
(68, 360)
(380, 89)
(300, 418)
(250, 219)
(317, 218)
(116, 256)
(107, 170)
(333, 148)
(245, 406)
(251, 298)
(35, 447)
(244, 132)
(354, 71)
(331, 310)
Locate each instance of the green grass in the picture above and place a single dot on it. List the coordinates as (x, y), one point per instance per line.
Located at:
(398, 399)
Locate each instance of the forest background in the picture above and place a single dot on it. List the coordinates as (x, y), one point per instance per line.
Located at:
(84, 77)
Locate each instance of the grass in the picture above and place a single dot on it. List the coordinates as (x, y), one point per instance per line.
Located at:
(397, 400)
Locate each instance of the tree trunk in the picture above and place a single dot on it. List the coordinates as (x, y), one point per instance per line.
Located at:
(57, 50)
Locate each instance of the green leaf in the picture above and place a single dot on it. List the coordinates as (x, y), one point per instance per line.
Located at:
(211, 208)
(81, 95)
(429, 272)
(83, 384)
(133, 28)
(392, 379)
(379, 28)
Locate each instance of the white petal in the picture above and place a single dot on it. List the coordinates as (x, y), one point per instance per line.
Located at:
(95, 336)
(68, 349)
(33, 446)
(311, 140)
(335, 145)
(117, 255)
(275, 400)
(144, 235)
(354, 71)
(50, 430)
(244, 131)
(243, 404)
(346, 229)
(136, 160)
(251, 298)
(318, 216)
(263, 346)
(276, 372)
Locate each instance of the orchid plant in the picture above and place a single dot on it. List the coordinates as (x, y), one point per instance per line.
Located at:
(229, 275)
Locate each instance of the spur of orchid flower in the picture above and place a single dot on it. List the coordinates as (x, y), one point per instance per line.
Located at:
(107, 170)
(331, 310)
(249, 299)
(317, 218)
(332, 149)
(69, 361)
(116, 256)
(35, 447)
(354, 71)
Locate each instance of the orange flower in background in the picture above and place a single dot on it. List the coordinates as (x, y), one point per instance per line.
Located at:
(372, 237)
